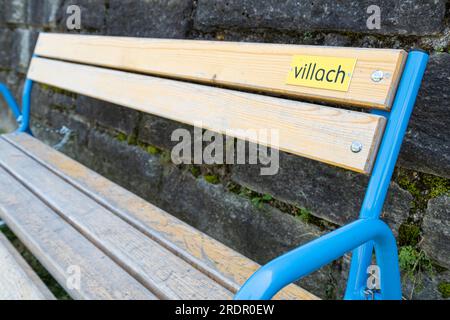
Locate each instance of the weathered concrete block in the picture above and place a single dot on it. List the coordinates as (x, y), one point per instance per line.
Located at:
(5, 48)
(127, 165)
(44, 99)
(2, 12)
(24, 41)
(157, 131)
(15, 11)
(397, 17)
(426, 146)
(149, 18)
(93, 15)
(425, 286)
(436, 230)
(330, 193)
(108, 115)
(43, 13)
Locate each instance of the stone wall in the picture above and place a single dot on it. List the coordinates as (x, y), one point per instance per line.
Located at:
(261, 217)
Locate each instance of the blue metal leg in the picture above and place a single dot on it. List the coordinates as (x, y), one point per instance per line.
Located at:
(10, 101)
(22, 116)
(26, 102)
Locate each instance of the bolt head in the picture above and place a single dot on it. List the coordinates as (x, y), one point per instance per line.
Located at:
(356, 146)
(377, 76)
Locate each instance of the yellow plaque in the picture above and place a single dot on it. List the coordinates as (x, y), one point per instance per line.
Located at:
(329, 73)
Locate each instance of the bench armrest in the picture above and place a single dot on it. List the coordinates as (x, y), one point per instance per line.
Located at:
(300, 262)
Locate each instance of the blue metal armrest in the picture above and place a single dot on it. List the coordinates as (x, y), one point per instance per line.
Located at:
(304, 260)
(367, 233)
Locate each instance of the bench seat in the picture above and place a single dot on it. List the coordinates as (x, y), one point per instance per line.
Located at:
(123, 246)
(17, 280)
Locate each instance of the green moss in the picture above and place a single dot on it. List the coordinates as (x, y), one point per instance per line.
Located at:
(49, 281)
(408, 235)
(304, 215)
(407, 182)
(212, 179)
(438, 186)
(122, 137)
(444, 289)
(195, 171)
(46, 87)
(422, 187)
(153, 150)
(132, 140)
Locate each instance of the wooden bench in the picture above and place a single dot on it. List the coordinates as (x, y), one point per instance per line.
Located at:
(17, 280)
(73, 220)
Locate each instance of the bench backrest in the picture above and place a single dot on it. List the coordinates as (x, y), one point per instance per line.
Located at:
(179, 79)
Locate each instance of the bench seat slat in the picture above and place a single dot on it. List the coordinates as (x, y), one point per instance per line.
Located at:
(254, 66)
(165, 274)
(317, 132)
(226, 265)
(17, 280)
(58, 246)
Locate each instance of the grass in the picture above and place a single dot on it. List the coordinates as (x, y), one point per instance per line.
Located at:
(408, 235)
(444, 289)
(414, 263)
(213, 179)
(48, 280)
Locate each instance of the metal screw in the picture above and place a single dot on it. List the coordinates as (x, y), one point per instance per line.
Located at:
(377, 76)
(356, 146)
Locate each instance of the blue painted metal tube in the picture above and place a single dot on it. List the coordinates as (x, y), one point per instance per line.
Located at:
(292, 266)
(10, 101)
(26, 102)
(384, 166)
(393, 137)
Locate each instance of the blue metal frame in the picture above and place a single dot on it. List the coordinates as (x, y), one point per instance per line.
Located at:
(22, 115)
(365, 234)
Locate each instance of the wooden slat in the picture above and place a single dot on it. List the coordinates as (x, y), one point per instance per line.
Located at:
(17, 280)
(262, 67)
(317, 132)
(226, 265)
(58, 246)
(165, 274)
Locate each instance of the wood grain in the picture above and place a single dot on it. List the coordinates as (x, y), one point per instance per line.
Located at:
(252, 66)
(58, 246)
(17, 280)
(228, 267)
(317, 132)
(162, 272)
